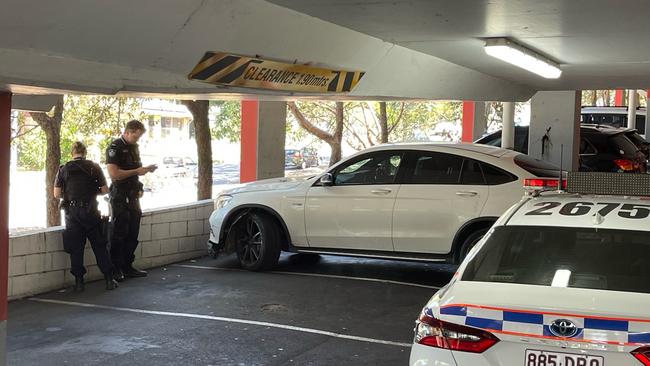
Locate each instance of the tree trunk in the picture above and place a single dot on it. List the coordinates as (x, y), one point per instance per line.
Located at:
(337, 137)
(383, 123)
(51, 125)
(332, 139)
(199, 110)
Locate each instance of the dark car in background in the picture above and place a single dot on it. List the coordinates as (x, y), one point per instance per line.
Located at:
(300, 158)
(602, 148)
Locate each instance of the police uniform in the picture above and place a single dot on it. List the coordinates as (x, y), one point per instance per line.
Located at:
(80, 181)
(125, 205)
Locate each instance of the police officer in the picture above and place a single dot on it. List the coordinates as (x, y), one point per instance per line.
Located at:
(79, 182)
(124, 167)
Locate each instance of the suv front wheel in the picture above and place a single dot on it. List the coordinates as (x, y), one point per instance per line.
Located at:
(469, 243)
(258, 242)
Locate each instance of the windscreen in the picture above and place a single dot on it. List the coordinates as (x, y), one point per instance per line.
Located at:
(615, 260)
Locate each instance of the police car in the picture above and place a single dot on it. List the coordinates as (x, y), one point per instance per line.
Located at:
(561, 279)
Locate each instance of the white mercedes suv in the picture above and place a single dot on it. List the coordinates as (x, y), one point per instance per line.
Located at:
(425, 202)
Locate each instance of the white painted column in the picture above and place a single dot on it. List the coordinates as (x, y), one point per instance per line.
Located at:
(557, 112)
(508, 129)
(271, 133)
(631, 108)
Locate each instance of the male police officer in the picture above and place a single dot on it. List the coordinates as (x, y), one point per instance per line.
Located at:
(124, 167)
(78, 182)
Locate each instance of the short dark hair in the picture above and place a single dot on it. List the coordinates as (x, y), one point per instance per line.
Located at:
(135, 125)
(79, 148)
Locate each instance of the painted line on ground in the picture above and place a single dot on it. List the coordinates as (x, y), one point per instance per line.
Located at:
(313, 275)
(224, 319)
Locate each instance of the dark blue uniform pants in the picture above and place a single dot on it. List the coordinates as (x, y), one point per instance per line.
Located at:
(83, 223)
(126, 227)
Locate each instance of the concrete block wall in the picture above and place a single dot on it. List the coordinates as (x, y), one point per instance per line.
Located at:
(37, 262)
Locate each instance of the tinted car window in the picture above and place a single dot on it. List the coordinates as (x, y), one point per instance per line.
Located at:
(586, 147)
(435, 168)
(535, 166)
(472, 173)
(521, 139)
(495, 176)
(583, 257)
(375, 169)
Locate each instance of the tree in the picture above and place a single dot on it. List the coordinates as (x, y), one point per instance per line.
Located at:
(320, 123)
(227, 120)
(200, 110)
(51, 126)
(96, 119)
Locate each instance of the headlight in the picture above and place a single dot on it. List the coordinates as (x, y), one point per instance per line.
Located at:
(222, 201)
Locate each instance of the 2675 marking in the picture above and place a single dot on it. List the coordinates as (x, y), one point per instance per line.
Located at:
(625, 210)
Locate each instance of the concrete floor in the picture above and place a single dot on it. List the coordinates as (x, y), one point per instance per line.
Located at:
(323, 311)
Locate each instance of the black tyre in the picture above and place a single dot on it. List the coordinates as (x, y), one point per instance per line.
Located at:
(469, 243)
(258, 242)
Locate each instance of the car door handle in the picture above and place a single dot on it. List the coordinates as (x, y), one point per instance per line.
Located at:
(466, 193)
(381, 191)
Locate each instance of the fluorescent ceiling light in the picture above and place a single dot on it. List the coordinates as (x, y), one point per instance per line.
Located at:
(510, 52)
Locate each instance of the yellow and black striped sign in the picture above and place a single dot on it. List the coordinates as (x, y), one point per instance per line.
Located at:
(249, 72)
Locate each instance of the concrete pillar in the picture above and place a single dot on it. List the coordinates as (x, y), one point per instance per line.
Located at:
(263, 131)
(5, 142)
(508, 129)
(555, 114)
(474, 124)
(631, 108)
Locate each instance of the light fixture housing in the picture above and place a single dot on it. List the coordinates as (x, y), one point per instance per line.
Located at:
(520, 56)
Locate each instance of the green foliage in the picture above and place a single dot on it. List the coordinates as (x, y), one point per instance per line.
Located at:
(31, 150)
(92, 119)
(227, 117)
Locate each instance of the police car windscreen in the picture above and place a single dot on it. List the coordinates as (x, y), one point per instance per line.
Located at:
(589, 258)
(537, 167)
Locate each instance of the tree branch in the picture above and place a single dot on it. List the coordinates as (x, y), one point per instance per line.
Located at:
(308, 125)
(398, 119)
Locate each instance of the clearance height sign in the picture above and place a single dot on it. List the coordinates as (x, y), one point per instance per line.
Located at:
(248, 72)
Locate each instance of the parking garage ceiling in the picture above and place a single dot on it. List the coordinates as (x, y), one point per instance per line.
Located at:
(428, 49)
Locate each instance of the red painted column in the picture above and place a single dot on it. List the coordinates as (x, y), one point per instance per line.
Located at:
(5, 156)
(248, 164)
(467, 134)
(619, 96)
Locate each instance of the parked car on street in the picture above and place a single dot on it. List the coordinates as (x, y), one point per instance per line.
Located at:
(602, 148)
(425, 202)
(301, 158)
(560, 280)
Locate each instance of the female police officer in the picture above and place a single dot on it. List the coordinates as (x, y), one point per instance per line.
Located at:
(79, 182)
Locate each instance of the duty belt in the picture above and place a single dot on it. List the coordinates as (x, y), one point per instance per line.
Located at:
(80, 204)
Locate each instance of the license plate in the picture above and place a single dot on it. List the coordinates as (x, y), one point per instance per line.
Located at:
(545, 358)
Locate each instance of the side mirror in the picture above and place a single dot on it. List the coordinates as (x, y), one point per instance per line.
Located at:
(327, 180)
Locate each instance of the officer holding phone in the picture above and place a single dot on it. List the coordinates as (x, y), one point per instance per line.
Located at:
(124, 168)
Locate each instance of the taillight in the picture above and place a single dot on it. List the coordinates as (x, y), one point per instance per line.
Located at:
(543, 183)
(439, 334)
(626, 165)
(642, 354)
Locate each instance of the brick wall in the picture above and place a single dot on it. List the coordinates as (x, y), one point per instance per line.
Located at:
(37, 262)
